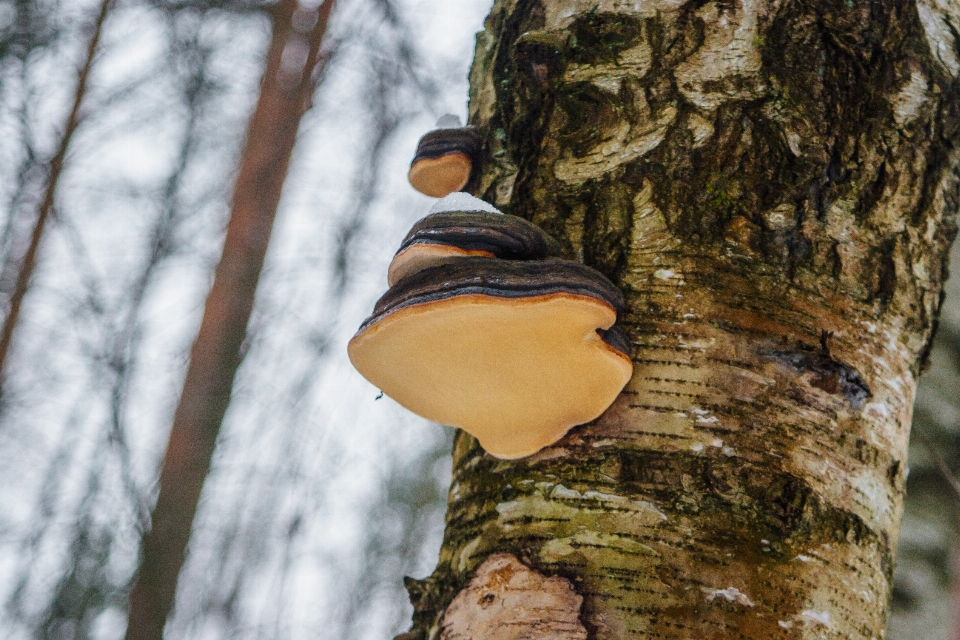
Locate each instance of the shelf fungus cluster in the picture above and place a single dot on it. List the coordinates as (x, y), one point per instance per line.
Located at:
(486, 329)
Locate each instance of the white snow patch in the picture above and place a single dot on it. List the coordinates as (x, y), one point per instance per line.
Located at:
(784, 624)
(449, 121)
(462, 202)
(697, 447)
(730, 594)
(803, 558)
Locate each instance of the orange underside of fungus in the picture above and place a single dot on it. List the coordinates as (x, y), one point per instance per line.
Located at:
(517, 373)
(418, 257)
(438, 177)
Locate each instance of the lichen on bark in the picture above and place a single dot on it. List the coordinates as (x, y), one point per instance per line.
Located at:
(774, 186)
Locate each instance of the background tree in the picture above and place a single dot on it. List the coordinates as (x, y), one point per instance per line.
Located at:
(54, 169)
(774, 186)
(293, 65)
(96, 369)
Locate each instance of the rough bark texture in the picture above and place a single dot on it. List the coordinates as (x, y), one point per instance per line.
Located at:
(774, 186)
(285, 93)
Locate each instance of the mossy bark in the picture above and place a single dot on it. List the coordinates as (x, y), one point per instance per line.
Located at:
(774, 186)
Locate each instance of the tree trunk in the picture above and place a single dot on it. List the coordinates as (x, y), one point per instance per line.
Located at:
(54, 171)
(773, 184)
(955, 593)
(285, 93)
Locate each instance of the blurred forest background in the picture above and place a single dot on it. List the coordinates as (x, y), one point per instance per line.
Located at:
(320, 498)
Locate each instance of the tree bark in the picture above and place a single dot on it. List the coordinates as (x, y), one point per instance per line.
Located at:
(285, 94)
(774, 186)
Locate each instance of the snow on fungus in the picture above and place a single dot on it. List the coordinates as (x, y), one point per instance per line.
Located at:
(460, 201)
(514, 352)
(449, 121)
(445, 161)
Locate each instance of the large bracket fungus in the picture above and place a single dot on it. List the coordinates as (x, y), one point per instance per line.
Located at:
(515, 353)
(445, 160)
(461, 225)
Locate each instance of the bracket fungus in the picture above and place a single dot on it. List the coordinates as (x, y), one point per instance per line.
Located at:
(445, 160)
(459, 226)
(513, 352)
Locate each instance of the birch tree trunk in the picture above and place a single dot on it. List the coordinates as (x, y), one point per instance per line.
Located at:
(773, 184)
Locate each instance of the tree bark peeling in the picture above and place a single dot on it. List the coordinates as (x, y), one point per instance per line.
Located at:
(506, 600)
(774, 185)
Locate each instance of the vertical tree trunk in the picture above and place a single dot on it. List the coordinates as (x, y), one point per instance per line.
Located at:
(285, 93)
(955, 592)
(54, 171)
(774, 185)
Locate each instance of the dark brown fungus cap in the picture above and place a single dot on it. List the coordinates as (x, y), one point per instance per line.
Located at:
(445, 161)
(515, 353)
(441, 237)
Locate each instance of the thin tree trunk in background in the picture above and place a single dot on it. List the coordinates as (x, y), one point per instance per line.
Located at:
(55, 170)
(774, 185)
(955, 600)
(285, 93)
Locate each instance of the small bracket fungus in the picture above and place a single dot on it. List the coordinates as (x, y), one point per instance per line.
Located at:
(445, 161)
(514, 352)
(462, 226)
